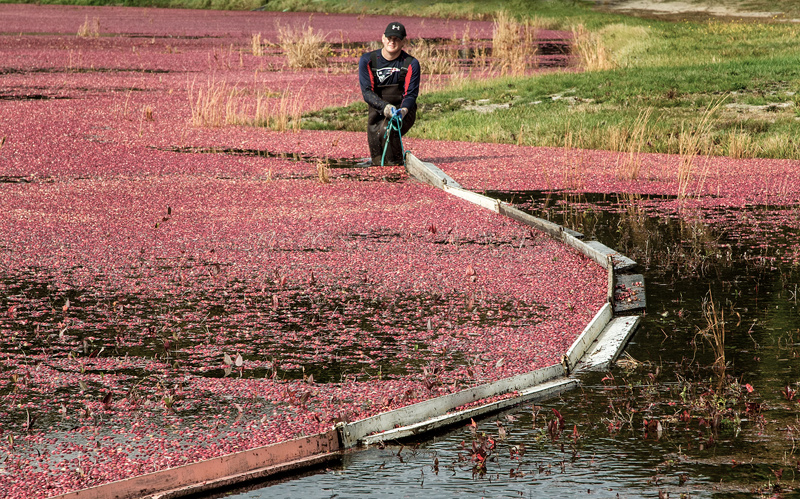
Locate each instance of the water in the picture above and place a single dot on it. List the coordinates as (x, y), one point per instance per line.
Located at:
(661, 422)
(552, 51)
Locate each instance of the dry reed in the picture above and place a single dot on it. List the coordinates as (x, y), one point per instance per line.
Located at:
(691, 143)
(208, 105)
(89, 29)
(591, 50)
(740, 145)
(323, 171)
(147, 113)
(256, 46)
(303, 47)
(217, 103)
(573, 170)
(630, 167)
(288, 113)
(714, 334)
(513, 44)
(432, 60)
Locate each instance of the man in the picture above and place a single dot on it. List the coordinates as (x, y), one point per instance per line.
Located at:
(389, 79)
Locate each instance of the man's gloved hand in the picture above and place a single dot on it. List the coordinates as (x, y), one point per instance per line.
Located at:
(388, 110)
(403, 112)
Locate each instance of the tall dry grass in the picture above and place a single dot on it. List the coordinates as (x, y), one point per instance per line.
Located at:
(256, 46)
(740, 144)
(216, 104)
(576, 160)
(630, 165)
(694, 141)
(514, 44)
(590, 49)
(432, 60)
(210, 104)
(714, 334)
(303, 47)
(89, 28)
(287, 113)
(323, 171)
(780, 145)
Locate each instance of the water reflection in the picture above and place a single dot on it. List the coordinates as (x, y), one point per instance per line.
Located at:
(659, 423)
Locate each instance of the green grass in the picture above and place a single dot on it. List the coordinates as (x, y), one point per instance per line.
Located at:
(600, 108)
(676, 70)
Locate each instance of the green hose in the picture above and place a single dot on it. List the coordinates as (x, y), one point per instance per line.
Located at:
(395, 123)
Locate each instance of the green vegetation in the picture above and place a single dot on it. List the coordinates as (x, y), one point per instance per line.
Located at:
(598, 110)
(669, 71)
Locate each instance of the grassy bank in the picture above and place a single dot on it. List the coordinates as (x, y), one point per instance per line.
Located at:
(600, 110)
(664, 76)
(757, 115)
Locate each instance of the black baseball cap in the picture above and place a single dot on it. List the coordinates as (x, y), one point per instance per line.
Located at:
(395, 29)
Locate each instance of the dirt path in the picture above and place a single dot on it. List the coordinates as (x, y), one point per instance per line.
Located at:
(686, 10)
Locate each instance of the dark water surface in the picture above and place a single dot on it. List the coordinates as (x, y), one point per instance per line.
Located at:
(663, 421)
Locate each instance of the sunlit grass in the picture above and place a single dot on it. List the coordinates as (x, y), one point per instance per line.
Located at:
(256, 45)
(303, 47)
(753, 122)
(591, 50)
(89, 28)
(215, 104)
(513, 44)
(432, 60)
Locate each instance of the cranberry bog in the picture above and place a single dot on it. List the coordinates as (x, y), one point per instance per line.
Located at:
(175, 290)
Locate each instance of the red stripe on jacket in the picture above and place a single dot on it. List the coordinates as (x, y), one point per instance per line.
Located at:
(408, 81)
(371, 77)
